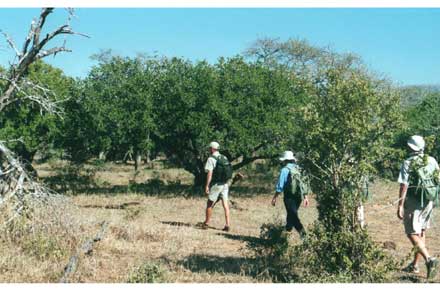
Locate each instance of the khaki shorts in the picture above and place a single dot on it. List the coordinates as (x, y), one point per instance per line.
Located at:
(218, 190)
(417, 220)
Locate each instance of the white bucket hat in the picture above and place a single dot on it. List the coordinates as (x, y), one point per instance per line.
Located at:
(214, 145)
(416, 143)
(287, 155)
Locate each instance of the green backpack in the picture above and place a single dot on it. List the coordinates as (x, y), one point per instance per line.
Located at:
(426, 184)
(300, 185)
(222, 171)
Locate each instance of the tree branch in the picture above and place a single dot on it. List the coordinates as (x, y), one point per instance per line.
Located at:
(44, 13)
(52, 51)
(11, 43)
(29, 37)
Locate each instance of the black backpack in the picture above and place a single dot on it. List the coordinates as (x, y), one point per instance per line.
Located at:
(222, 171)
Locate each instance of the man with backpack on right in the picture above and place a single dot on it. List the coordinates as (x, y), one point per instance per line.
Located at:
(292, 184)
(418, 194)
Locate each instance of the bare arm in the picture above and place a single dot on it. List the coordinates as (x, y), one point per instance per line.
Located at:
(306, 201)
(402, 195)
(274, 199)
(208, 181)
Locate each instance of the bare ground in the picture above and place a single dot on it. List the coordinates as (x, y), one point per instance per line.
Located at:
(162, 229)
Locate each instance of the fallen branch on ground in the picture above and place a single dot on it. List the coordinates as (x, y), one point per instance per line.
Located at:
(112, 206)
(85, 249)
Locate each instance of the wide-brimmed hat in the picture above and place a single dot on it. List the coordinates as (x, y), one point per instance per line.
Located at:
(416, 143)
(287, 155)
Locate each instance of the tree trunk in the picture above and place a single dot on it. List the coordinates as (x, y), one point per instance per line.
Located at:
(102, 156)
(137, 161)
(147, 157)
(148, 153)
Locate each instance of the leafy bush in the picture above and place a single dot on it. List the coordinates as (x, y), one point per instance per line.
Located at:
(148, 273)
(323, 256)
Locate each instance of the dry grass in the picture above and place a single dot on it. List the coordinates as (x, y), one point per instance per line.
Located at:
(158, 230)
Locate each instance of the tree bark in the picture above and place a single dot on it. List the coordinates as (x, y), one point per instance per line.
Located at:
(102, 156)
(137, 161)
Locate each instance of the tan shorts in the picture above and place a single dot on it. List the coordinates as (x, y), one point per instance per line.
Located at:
(417, 220)
(218, 190)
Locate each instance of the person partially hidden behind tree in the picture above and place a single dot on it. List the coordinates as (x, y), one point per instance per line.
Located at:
(295, 190)
(218, 174)
(418, 180)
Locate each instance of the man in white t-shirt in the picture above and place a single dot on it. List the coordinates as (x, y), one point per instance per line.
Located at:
(416, 214)
(215, 189)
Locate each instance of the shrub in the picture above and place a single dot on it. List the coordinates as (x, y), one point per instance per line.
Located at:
(323, 256)
(148, 273)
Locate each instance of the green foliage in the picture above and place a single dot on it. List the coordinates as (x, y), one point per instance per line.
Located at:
(419, 109)
(148, 273)
(111, 111)
(323, 257)
(26, 121)
(341, 145)
(78, 137)
(423, 119)
(345, 125)
(240, 105)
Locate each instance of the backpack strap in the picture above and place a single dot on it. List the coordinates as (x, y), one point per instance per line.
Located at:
(216, 158)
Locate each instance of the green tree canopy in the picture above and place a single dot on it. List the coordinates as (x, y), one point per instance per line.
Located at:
(344, 127)
(423, 119)
(27, 121)
(241, 105)
(112, 110)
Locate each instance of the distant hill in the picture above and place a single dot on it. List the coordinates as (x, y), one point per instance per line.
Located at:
(412, 95)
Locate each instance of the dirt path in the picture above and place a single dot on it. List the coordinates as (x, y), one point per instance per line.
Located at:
(164, 229)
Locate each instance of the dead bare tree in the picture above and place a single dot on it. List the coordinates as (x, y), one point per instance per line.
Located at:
(17, 189)
(35, 47)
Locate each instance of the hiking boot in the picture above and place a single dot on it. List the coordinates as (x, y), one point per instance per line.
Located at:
(226, 229)
(431, 268)
(411, 268)
(203, 225)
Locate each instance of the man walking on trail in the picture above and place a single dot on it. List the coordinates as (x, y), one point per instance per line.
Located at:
(218, 172)
(290, 183)
(413, 208)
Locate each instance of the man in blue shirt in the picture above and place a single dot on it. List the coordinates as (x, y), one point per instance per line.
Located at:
(292, 200)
